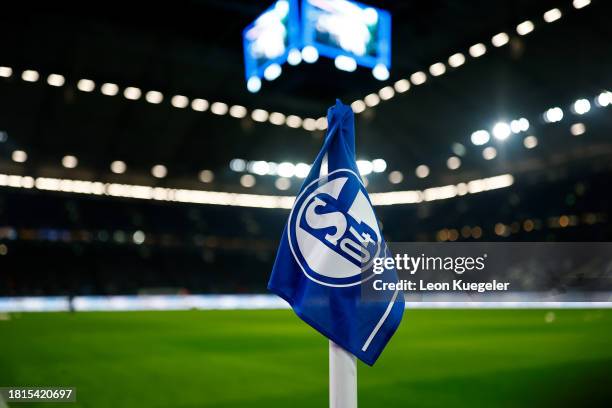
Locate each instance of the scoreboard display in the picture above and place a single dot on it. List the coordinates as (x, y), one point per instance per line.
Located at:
(351, 33)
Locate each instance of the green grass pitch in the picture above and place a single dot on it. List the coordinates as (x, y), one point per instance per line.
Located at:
(438, 358)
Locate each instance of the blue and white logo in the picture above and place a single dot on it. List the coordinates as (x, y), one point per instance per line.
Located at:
(333, 232)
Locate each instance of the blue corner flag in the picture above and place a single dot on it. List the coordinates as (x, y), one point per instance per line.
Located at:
(323, 267)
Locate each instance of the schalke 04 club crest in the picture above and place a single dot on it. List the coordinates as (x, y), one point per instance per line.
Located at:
(333, 231)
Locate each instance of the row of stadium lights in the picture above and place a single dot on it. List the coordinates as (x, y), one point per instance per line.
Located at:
(117, 166)
(503, 130)
(500, 131)
(242, 200)
(455, 61)
(528, 225)
(286, 170)
(178, 101)
(294, 121)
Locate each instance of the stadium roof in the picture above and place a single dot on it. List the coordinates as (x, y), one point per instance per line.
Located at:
(194, 49)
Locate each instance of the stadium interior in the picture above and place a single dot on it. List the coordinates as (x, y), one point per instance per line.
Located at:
(91, 244)
(135, 160)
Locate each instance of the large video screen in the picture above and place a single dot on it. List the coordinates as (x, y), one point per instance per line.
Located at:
(348, 28)
(269, 38)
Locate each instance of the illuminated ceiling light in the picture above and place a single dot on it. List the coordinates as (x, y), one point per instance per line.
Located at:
(302, 170)
(489, 153)
(379, 165)
(293, 121)
(500, 39)
(578, 4)
(118, 167)
(530, 142)
(519, 125)
(179, 101)
(272, 72)
(254, 84)
(154, 97)
(56, 80)
(199, 105)
(276, 118)
(581, 106)
(6, 72)
(422, 171)
(604, 99)
(219, 108)
(365, 167)
(159, 171)
(380, 72)
(272, 169)
(372, 100)
(396, 177)
(456, 60)
(309, 124)
(310, 54)
(30, 75)
(458, 149)
(238, 165)
(19, 156)
(138, 237)
(358, 106)
(552, 15)
(109, 89)
(577, 129)
(344, 63)
(259, 115)
(524, 28)
(477, 50)
(237, 111)
(321, 123)
(286, 169)
(501, 131)
(402, 85)
(453, 163)
(282, 183)
(386, 93)
(132, 93)
(553, 115)
(259, 167)
(247, 181)
(206, 176)
(294, 57)
(418, 78)
(86, 85)
(69, 162)
(480, 137)
(437, 69)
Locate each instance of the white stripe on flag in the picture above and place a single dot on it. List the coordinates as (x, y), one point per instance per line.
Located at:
(380, 322)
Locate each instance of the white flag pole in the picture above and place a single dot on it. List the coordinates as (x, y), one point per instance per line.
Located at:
(342, 377)
(342, 364)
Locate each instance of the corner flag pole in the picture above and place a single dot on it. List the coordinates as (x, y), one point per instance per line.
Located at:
(342, 377)
(342, 364)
